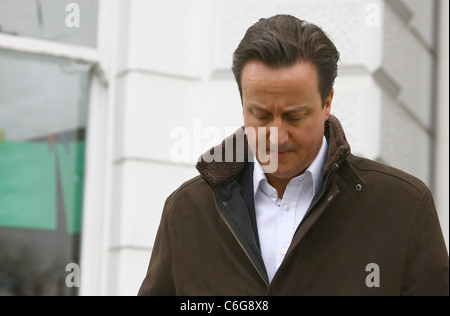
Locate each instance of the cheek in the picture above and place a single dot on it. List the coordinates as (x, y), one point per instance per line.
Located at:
(251, 132)
(301, 139)
(308, 137)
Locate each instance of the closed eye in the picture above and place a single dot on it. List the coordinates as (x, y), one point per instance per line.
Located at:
(294, 119)
(262, 117)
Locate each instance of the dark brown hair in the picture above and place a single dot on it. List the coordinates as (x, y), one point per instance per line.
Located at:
(284, 40)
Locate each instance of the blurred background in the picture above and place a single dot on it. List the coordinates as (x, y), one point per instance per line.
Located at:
(105, 106)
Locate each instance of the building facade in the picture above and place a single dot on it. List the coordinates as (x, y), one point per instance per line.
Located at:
(141, 88)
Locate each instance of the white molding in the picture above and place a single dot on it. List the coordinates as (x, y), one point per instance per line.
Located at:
(441, 145)
(49, 48)
(96, 216)
(92, 242)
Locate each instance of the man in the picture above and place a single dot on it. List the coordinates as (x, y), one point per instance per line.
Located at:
(323, 221)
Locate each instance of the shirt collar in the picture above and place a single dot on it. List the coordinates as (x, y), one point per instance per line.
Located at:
(315, 170)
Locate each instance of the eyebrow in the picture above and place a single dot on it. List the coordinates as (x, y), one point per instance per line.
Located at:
(296, 108)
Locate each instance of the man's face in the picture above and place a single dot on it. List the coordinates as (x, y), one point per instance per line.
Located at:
(287, 98)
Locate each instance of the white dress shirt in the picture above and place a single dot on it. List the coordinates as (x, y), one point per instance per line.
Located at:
(278, 219)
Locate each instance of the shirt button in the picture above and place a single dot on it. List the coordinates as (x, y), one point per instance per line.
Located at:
(287, 207)
(283, 251)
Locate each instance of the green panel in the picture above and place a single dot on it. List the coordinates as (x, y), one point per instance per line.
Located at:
(71, 167)
(27, 185)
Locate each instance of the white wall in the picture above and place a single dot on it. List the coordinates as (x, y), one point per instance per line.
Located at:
(172, 71)
(441, 184)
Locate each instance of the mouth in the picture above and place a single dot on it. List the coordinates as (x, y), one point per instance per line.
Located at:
(282, 153)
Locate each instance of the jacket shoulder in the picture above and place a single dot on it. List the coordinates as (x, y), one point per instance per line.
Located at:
(190, 190)
(387, 174)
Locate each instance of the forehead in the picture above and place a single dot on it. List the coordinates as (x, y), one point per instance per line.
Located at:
(297, 81)
(301, 77)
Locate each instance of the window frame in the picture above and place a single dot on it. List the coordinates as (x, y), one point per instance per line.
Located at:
(98, 141)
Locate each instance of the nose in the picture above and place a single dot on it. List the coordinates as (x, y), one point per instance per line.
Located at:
(278, 134)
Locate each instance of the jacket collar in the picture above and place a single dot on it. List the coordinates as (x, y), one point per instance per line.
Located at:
(216, 172)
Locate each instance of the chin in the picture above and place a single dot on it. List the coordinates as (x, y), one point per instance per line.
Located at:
(288, 171)
(284, 173)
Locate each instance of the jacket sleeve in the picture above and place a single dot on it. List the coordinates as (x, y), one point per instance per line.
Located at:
(159, 281)
(427, 264)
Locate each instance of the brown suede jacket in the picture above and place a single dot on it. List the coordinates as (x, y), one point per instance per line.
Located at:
(370, 230)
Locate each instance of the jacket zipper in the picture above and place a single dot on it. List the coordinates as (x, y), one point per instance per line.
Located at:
(322, 193)
(324, 189)
(237, 239)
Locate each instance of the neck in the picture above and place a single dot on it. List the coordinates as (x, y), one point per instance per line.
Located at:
(280, 184)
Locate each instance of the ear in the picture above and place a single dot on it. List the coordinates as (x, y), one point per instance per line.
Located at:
(327, 105)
